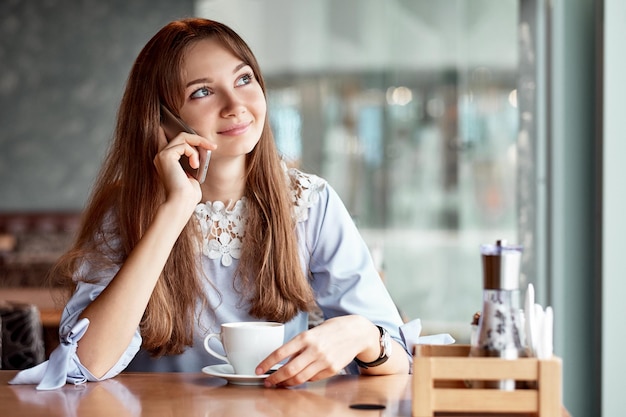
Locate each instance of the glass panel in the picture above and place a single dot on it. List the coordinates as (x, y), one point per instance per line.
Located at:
(408, 109)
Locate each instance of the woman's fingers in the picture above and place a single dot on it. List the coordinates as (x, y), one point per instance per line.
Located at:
(314, 354)
(184, 144)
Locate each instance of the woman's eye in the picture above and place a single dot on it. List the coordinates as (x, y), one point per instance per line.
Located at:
(200, 92)
(245, 79)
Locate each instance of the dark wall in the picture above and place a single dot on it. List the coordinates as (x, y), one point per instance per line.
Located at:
(63, 67)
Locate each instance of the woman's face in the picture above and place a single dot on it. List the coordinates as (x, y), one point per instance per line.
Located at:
(223, 100)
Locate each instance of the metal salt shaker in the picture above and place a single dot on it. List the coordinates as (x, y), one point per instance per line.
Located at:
(499, 328)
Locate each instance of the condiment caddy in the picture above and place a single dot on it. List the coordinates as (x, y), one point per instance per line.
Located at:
(441, 372)
(508, 367)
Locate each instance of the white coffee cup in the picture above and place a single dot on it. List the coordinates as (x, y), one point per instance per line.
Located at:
(246, 344)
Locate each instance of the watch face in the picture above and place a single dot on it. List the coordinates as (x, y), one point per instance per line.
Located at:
(386, 343)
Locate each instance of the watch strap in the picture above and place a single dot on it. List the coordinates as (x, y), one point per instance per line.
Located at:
(384, 337)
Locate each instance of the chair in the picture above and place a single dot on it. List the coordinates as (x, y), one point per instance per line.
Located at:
(21, 334)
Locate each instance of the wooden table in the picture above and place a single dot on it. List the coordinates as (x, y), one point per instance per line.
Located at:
(197, 394)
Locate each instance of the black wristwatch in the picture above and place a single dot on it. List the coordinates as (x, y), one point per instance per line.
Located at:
(385, 350)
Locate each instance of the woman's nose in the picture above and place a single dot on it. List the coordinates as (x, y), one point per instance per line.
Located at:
(232, 105)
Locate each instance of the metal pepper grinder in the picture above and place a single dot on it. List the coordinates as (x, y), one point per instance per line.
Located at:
(499, 328)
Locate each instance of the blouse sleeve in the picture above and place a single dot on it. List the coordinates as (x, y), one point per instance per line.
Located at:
(344, 276)
(64, 365)
(85, 293)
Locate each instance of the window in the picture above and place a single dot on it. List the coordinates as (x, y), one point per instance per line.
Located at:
(408, 108)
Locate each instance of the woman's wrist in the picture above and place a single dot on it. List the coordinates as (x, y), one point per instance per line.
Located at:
(385, 350)
(173, 216)
(372, 348)
(178, 208)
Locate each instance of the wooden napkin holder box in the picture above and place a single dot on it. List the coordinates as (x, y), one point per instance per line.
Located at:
(440, 372)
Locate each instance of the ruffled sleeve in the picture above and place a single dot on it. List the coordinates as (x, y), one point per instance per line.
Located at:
(61, 367)
(64, 364)
(410, 333)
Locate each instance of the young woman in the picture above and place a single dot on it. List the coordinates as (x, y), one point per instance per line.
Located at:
(161, 260)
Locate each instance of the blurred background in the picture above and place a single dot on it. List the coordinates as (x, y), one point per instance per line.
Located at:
(442, 124)
(415, 132)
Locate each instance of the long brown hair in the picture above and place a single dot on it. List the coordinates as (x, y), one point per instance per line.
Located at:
(128, 190)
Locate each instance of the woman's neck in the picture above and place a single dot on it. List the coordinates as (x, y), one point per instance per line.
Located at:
(225, 181)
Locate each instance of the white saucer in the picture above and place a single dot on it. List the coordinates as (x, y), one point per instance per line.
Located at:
(226, 371)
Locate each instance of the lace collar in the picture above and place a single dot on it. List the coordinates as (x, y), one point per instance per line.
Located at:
(223, 227)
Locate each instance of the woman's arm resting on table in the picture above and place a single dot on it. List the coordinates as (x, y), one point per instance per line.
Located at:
(115, 315)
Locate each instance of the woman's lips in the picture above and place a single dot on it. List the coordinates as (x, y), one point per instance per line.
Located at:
(236, 130)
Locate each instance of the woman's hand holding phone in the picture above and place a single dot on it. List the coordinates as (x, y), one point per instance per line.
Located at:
(180, 186)
(173, 126)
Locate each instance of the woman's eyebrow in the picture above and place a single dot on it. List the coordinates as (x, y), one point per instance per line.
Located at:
(209, 80)
(199, 81)
(240, 66)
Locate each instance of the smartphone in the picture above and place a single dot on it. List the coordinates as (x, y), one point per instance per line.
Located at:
(172, 126)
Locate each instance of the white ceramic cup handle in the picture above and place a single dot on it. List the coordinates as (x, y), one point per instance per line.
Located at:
(211, 351)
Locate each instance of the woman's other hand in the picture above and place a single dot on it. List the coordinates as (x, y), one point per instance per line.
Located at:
(325, 350)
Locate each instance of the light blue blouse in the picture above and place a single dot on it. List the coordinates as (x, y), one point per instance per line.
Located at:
(334, 257)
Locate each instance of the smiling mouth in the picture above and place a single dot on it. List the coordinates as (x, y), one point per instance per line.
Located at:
(236, 130)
